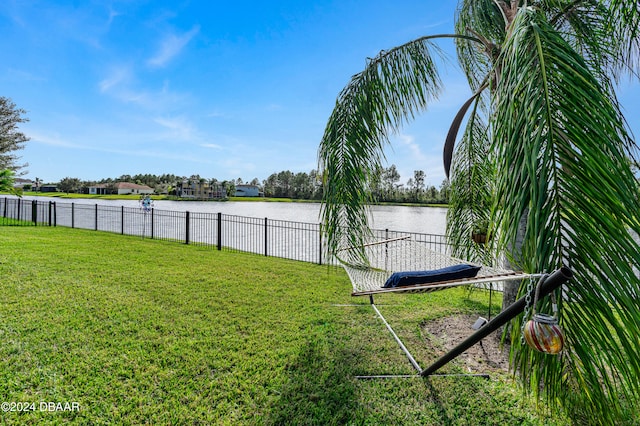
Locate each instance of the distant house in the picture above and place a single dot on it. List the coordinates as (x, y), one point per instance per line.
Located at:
(247, 191)
(120, 188)
(48, 188)
(200, 190)
(99, 189)
(20, 183)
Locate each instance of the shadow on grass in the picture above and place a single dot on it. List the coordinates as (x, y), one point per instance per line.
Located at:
(319, 388)
(319, 384)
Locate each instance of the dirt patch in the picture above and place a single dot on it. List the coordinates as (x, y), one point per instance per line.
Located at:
(484, 357)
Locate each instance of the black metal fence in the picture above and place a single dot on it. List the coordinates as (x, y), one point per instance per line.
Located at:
(278, 238)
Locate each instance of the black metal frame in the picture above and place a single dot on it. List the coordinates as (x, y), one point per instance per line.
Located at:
(553, 281)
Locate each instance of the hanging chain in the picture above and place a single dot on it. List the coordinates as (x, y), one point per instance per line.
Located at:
(535, 302)
(525, 317)
(554, 305)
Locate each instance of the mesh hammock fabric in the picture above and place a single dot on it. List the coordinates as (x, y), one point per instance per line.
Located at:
(404, 254)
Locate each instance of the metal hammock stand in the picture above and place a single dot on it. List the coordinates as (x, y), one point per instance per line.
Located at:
(404, 254)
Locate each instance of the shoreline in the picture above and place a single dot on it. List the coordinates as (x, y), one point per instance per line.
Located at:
(62, 195)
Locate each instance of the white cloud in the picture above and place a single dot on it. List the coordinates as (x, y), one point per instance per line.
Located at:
(409, 143)
(179, 128)
(52, 140)
(409, 155)
(120, 84)
(236, 167)
(171, 46)
(211, 145)
(217, 114)
(103, 146)
(112, 15)
(454, 95)
(22, 75)
(117, 78)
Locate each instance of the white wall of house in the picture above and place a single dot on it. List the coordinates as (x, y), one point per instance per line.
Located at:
(123, 188)
(97, 190)
(137, 191)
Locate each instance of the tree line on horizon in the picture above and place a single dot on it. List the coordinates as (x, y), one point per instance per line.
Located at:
(385, 185)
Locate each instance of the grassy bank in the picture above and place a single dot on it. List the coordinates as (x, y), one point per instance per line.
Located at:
(174, 198)
(64, 195)
(137, 331)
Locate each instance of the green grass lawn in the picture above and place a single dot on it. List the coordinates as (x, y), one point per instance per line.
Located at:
(137, 331)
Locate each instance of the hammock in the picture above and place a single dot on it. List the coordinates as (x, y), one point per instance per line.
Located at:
(403, 254)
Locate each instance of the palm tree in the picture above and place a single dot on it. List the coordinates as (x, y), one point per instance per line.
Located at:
(544, 159)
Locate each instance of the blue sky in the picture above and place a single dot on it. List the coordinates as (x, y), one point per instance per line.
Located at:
(225, 90)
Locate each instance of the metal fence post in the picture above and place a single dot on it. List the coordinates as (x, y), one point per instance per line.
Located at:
(55, 214)
(34, 212)
(219, 231)
(266, 238)
(386, 249)
(96, 225)
(50, 209)
(73, 215)
(320, 244)
(187, 220)
(122, 220)
(152, 229)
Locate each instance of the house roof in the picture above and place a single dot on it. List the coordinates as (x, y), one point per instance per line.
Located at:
(129, 185)
(122, 185)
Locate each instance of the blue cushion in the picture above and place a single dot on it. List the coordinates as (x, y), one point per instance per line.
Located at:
(399, 279)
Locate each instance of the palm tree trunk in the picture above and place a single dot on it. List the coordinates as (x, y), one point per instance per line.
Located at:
(510, 289)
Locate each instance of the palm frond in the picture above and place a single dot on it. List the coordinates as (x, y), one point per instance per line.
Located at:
(624, 24)
(561, 149)
(584, 27)
(471, 192)
(452, 134)
(394, 86)
(485, 19)
(605, 33)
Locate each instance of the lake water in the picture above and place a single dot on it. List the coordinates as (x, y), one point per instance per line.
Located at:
(428, 220)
